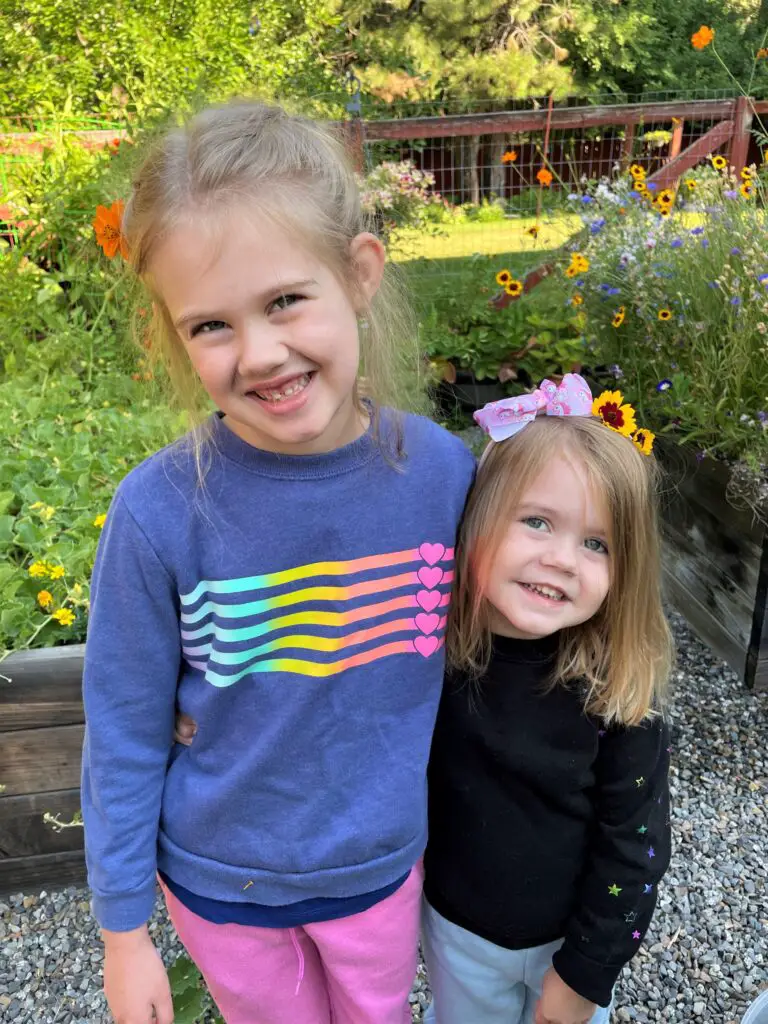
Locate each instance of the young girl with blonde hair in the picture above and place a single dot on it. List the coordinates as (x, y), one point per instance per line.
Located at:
(548, 801)
(282, 575)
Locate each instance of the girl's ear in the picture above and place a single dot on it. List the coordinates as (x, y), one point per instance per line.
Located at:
(368, 257)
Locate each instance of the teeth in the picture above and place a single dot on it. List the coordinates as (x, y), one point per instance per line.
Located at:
(545, 591)
(290, 389)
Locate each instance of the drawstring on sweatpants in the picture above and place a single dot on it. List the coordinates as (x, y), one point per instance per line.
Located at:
(300, 955)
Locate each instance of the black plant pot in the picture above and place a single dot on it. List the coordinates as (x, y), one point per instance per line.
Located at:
(468, 393)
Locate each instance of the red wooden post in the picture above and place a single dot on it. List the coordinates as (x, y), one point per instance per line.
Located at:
(628, 145)
(742, 125)
(354, 136)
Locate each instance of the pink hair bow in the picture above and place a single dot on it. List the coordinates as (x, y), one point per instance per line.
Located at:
(506, 417)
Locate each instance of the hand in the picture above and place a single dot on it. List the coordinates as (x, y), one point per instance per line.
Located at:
(559, 1004)
(135, 982)
(185, 730)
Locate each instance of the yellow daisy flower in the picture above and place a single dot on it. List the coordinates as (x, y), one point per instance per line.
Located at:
(690, 184)
(619, 317)
(719, 163)
(571, 271)
(615, 413)
(643, 440)
(38, 570)
(637, 172)
(56, 571)
(64, 616)
(100, 520)
(45, 599)
(666, 197)
(577, 300)
(665, 314)
(747, 190)
(514, 288)
(503, 277)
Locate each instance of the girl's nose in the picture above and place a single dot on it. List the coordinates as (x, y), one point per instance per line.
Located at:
(263, 351)
(561, 555)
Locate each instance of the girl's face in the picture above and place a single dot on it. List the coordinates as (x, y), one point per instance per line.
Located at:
(553, 568)
(269, 329)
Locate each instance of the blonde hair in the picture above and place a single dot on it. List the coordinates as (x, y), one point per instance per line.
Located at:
(294, 171)
(623, 653)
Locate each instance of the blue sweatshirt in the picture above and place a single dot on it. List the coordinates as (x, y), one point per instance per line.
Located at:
(295, 607)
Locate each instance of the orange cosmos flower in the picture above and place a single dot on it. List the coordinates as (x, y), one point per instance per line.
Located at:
(108, 227)
(509, 157)
(544, 177)
(702, 38)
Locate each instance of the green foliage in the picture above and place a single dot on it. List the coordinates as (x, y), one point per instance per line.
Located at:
(691, 348)
(191, 1002)
(64, 447)
(109, 57)
(520, 343)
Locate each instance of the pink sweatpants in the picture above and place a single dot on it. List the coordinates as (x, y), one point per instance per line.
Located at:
(356, 970)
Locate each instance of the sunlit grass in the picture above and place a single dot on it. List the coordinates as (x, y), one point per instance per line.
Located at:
(491, 239)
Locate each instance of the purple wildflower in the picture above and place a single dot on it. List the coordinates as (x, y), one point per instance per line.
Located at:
(597, 225)
(705, 243)
(697, 231)
(731, 193)
(736, 251)
(762, 416)
(763, 279)
(735, 301)
(664, 385)
(616, 371)
(676, 243)
(587, 200)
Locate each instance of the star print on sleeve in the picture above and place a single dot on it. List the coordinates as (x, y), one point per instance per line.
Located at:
(642, 830)
(636, 936)
(631, 917)
(651, 852)
(647, 888)
(614, 889)
(640, 782)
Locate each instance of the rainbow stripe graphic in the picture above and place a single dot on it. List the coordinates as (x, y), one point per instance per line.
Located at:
(319, 619)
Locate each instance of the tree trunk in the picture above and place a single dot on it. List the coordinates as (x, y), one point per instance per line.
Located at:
(498, 170)
(465, 159)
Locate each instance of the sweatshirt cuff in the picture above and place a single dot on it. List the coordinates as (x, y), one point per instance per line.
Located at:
(124, 912)
(592, 981)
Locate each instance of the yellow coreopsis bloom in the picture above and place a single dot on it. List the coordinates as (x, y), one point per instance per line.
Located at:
(100, 520)
(56, 572)
(615, 413)
(38, 570)
(45, 599)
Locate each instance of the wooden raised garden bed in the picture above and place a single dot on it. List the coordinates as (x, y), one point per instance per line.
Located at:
(715, 563)
(41, 737)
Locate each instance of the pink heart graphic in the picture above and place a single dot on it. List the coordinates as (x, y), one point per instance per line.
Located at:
(427, 623)
(432, 553)
(428, 600)
(430, 577)
(426, 645)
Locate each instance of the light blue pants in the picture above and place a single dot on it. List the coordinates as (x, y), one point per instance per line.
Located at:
(474, 981)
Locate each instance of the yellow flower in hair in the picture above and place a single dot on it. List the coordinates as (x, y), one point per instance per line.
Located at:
(643, 440)
(514, 288)
(719, 163)
(615, 413)
(619, 317)
(503, 277)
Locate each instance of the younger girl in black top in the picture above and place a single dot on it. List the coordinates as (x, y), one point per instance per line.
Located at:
(548, 800)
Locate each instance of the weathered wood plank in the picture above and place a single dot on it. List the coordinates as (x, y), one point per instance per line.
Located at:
(710, 142)
(41, 760)
(704, 623)
(49, 871)
(23, 833)
(536, 120)
(41, 688)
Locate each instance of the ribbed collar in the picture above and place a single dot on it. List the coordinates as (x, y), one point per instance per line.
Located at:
(529, 652)
(291, 467)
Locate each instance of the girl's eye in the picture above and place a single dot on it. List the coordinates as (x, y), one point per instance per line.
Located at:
(593, 544)
(208, 327)
(284, 301)
(535, 523)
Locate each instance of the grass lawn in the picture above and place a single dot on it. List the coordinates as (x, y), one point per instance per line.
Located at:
(493, 238)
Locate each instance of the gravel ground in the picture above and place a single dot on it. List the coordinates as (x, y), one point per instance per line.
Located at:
(705, 959)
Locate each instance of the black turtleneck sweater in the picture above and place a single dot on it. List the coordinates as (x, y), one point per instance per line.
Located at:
(544, 824)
